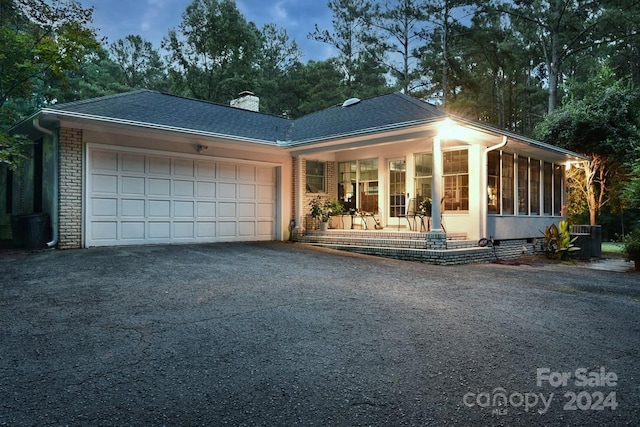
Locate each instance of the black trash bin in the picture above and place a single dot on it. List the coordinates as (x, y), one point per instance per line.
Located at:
(30, 231)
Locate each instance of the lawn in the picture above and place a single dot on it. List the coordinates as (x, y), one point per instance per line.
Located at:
(612, 248)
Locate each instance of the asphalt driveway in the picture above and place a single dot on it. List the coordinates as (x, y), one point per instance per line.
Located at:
(279, 334)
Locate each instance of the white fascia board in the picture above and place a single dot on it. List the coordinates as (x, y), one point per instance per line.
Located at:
(108, 120)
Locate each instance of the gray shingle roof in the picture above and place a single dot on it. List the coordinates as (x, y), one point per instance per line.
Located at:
(369, 114)
(154, 108)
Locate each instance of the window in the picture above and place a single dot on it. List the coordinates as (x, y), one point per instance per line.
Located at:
(548, 188)
(558, 178)
(347, 175)
(368, 185)
(315, 176)
(423, 175)
(535, 187)
(507, 184)
(523, 185)
(493, 182)
(455, 170)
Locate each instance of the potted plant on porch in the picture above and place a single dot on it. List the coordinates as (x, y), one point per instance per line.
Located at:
(323, 209)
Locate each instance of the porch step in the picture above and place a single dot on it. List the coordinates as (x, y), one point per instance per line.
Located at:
(382, 242)
(464, 255)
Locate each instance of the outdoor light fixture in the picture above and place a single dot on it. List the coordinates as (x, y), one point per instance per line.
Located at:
(200, 148)
(446, 128)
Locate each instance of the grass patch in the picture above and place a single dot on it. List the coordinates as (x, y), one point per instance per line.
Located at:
(612, 248)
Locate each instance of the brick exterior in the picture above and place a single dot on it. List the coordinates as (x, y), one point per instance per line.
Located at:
(70, 191)
(331, 193)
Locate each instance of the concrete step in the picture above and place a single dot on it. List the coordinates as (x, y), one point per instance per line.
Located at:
(429, 256)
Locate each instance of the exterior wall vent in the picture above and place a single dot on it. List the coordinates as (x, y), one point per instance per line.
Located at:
(351, 101)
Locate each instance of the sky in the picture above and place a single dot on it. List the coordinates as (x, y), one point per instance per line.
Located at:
(152, 19)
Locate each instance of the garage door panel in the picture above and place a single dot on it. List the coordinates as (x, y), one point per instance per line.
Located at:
(183, 188)
(227, 209)
(133, 185)
(206, 190)
(133, 230)
(246, 210)
(105, 207)
(104, 160)
(206, 170)
(133, 163)
(104, 230)
(183, 230)
(206, 229)
(266, 192)
(227, 229)
(160, 166)
(132, 208)
(107, 184)
(136, 197)
(159, 208)
(246, 228)
(226, 171)
(183, 167)
(226, 190)
(266, 176)
(206, 210)
(247, 173)
(183, 209)
(159, 230)
(159, 187)
(246, 191)
(265, 229)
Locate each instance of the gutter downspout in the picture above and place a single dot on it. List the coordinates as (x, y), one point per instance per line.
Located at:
(54, 201)
(485, 183)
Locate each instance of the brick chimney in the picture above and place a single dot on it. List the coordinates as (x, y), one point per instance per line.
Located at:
(247, 101)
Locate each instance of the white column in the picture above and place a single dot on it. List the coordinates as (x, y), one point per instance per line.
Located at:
(300, 191)
(436, 187)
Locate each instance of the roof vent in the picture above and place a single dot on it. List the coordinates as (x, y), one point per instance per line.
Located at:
(351, 101)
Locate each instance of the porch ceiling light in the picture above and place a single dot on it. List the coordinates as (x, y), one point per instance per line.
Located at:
(446, 129)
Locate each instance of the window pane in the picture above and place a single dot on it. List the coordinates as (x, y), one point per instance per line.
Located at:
(368, 185)
(455, 162)
(456, 180)
(523, 185)
(423, 175)
(535, 187)
(493, 182)
(507, 183)
(315, 176)
(424, 164)
(558, 178)
(548, 190)
(347, 184)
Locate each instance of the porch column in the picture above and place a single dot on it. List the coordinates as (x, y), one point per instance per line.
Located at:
(436, 187)
(299, 188)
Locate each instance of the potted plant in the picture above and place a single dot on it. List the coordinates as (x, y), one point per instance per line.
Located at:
(632, 248)
(319, 211)
(335, 208)
(424, 208)
(323, 209)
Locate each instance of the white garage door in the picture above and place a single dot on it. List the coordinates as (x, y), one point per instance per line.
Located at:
(138, 198)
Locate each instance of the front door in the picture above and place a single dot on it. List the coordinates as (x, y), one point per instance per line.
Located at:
(397, 191)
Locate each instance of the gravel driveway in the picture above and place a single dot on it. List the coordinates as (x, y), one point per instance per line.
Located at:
(280, 334)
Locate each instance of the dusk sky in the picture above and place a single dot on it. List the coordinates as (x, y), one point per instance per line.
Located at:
(152, 19)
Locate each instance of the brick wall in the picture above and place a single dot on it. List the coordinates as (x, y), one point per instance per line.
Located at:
(70, 196)
(331, 193)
